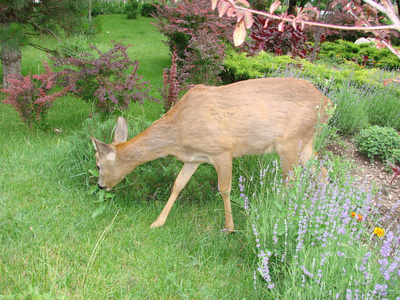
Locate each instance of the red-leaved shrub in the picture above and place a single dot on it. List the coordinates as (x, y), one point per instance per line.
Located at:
(31, 95)
(199, 36)
(173, 83)
(108, 79)
(290, 41)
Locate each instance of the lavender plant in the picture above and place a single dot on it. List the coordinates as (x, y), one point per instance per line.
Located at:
(319, 240)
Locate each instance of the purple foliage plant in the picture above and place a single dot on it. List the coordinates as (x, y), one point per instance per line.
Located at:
(108, 79)
(32, 95)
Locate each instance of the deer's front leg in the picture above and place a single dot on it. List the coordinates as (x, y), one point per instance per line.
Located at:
(180, 182)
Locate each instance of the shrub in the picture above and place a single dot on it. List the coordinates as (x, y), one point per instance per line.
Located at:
(342, 18)
(149, 9)
(107, 7)
(173, 84)
(204, 58)
(381, 143)
(363, 54)
(132, 9)
(89, 27)
(290, 41)
(240, 67)
(31, 96)
(350, 115)
(104, 78)
(383, 107)
(198, 35)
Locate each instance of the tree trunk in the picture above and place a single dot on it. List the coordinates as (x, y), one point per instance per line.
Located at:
(398, 6)
(292, 7)
(11, 59)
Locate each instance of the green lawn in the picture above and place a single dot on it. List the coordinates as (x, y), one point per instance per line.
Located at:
(51, 248)
(296, 241)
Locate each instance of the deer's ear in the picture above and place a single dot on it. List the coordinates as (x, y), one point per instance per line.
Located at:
(104, 151)
(121, 131)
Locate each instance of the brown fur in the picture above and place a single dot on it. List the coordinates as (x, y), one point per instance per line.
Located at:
(215, 124)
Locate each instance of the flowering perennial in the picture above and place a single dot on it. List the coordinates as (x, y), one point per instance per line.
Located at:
(379, 231)
(310, 234)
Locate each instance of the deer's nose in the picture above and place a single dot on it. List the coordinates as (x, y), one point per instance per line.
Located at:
(101, 187)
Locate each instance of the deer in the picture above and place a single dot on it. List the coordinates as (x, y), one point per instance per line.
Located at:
(216, 124)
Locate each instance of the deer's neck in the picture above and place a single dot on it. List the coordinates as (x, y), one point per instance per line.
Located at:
(156, 141)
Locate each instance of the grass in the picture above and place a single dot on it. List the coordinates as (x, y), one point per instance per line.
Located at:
(51, 247)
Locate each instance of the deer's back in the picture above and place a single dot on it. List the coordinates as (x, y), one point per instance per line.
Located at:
(247, 117)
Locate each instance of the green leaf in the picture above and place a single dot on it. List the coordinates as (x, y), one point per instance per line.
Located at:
(109, 195)
(101, 195)
(99, 210)
(93, 189)
(94, 172)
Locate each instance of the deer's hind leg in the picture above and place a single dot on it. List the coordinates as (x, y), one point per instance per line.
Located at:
(298, 153)
(293, 153)
(223, 166)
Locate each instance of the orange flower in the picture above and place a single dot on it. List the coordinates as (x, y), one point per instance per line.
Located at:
(379, 231)
(357, 216)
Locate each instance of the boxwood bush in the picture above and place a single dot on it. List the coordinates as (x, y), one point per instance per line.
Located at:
(241, 67)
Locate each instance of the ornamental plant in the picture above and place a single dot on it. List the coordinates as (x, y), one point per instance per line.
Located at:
(198, 35)
(32, 95)
(289, 41)
(108, 79)
(328, 240)
(381, 143)
(180, 21)
(173, 83)
(149, 9)
(132, 9)
(367, 55)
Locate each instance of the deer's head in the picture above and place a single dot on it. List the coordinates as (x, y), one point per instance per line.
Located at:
(111, 167)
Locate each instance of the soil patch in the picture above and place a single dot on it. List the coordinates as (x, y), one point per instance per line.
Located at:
(373, 173)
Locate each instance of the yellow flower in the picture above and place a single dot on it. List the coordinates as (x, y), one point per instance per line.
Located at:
(379, 231)
(353, 214)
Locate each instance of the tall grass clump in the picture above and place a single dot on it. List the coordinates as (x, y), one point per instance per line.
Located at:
(152, 180)
(319, 240)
